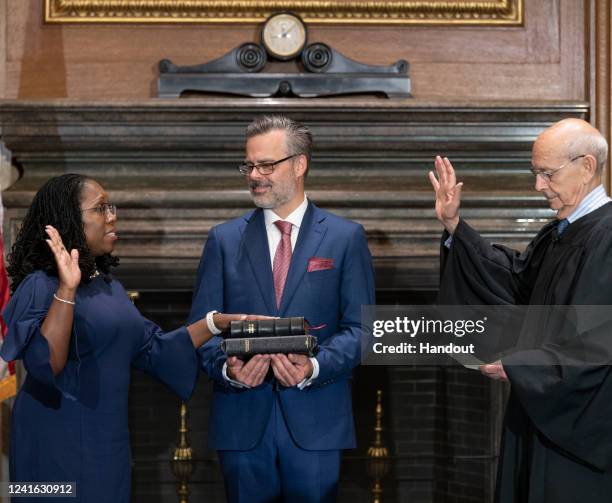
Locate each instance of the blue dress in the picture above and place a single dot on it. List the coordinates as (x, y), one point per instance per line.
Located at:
(73, 427)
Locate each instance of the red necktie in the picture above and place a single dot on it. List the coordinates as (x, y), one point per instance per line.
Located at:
(282, 259)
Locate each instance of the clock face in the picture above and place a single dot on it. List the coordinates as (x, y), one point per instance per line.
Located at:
(284, 35)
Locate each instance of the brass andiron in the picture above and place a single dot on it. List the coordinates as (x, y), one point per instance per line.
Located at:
(182, 465)
(379, 463)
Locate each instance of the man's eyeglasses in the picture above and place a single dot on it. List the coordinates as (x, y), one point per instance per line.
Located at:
(264, 168)
(547, 175)
(106, 209)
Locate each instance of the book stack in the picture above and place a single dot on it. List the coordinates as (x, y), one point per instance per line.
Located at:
(278, 335)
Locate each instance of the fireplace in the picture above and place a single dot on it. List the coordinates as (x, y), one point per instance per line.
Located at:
(441, 426)
(170, 168)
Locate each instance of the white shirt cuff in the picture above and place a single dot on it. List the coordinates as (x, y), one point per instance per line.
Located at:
(315, 373)
(234, 383)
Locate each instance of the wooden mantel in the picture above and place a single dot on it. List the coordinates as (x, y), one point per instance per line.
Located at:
(171, 168)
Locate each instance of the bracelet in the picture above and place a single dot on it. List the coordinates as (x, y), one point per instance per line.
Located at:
(72, 303)
(212, 328)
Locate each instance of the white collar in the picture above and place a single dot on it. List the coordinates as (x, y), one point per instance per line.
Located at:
(295, 217)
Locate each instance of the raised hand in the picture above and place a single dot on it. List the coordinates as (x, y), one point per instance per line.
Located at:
(448, 193)
(68, 268)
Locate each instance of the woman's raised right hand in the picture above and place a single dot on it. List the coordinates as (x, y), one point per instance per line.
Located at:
(68, 268)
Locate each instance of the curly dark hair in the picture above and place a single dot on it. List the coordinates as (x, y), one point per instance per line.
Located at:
(57, 203)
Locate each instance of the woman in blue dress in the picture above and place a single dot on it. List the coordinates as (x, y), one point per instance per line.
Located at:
(78, 335)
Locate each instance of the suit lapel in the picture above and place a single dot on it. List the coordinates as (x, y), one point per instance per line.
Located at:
(255, 242)
(311, 233)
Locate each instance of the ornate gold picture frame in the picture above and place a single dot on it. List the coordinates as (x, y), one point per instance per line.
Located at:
(399, 12)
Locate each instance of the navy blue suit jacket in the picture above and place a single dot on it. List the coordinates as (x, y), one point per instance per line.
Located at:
(235, 276)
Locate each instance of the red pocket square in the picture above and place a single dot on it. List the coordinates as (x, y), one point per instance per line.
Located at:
(320, 264)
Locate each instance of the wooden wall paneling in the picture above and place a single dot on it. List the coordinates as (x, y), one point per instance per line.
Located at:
(599, 37)
(119, 61)
(42, 69)
(573, 52)
(542, 27)
(2, 48)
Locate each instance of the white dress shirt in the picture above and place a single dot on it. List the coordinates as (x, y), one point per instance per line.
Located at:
(274, 237)
(591, 202)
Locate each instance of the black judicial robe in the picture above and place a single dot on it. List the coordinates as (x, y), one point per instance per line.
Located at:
(557, 440)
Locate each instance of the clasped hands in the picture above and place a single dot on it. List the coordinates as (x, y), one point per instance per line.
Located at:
(290, 370)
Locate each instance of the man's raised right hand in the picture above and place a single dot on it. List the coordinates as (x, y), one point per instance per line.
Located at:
(448, 193)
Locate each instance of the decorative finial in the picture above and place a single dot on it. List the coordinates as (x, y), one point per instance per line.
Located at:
(133, 295)
(379, 463)
(182, 465)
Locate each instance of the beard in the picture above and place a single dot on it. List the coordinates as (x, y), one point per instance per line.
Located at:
(277, 194)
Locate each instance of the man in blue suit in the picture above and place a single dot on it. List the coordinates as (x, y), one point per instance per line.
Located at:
(279, 422)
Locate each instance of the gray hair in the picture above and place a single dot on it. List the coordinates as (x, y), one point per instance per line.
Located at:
(590, 143)
(299, 137)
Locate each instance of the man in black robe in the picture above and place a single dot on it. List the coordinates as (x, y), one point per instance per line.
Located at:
(557, 440)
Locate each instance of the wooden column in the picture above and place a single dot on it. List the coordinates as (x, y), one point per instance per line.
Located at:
(598, 74)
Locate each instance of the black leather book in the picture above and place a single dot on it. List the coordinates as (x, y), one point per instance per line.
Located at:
(268, 328)
(249, 346)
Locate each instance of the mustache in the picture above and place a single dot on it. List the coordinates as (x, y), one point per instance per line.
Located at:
(256, 184)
